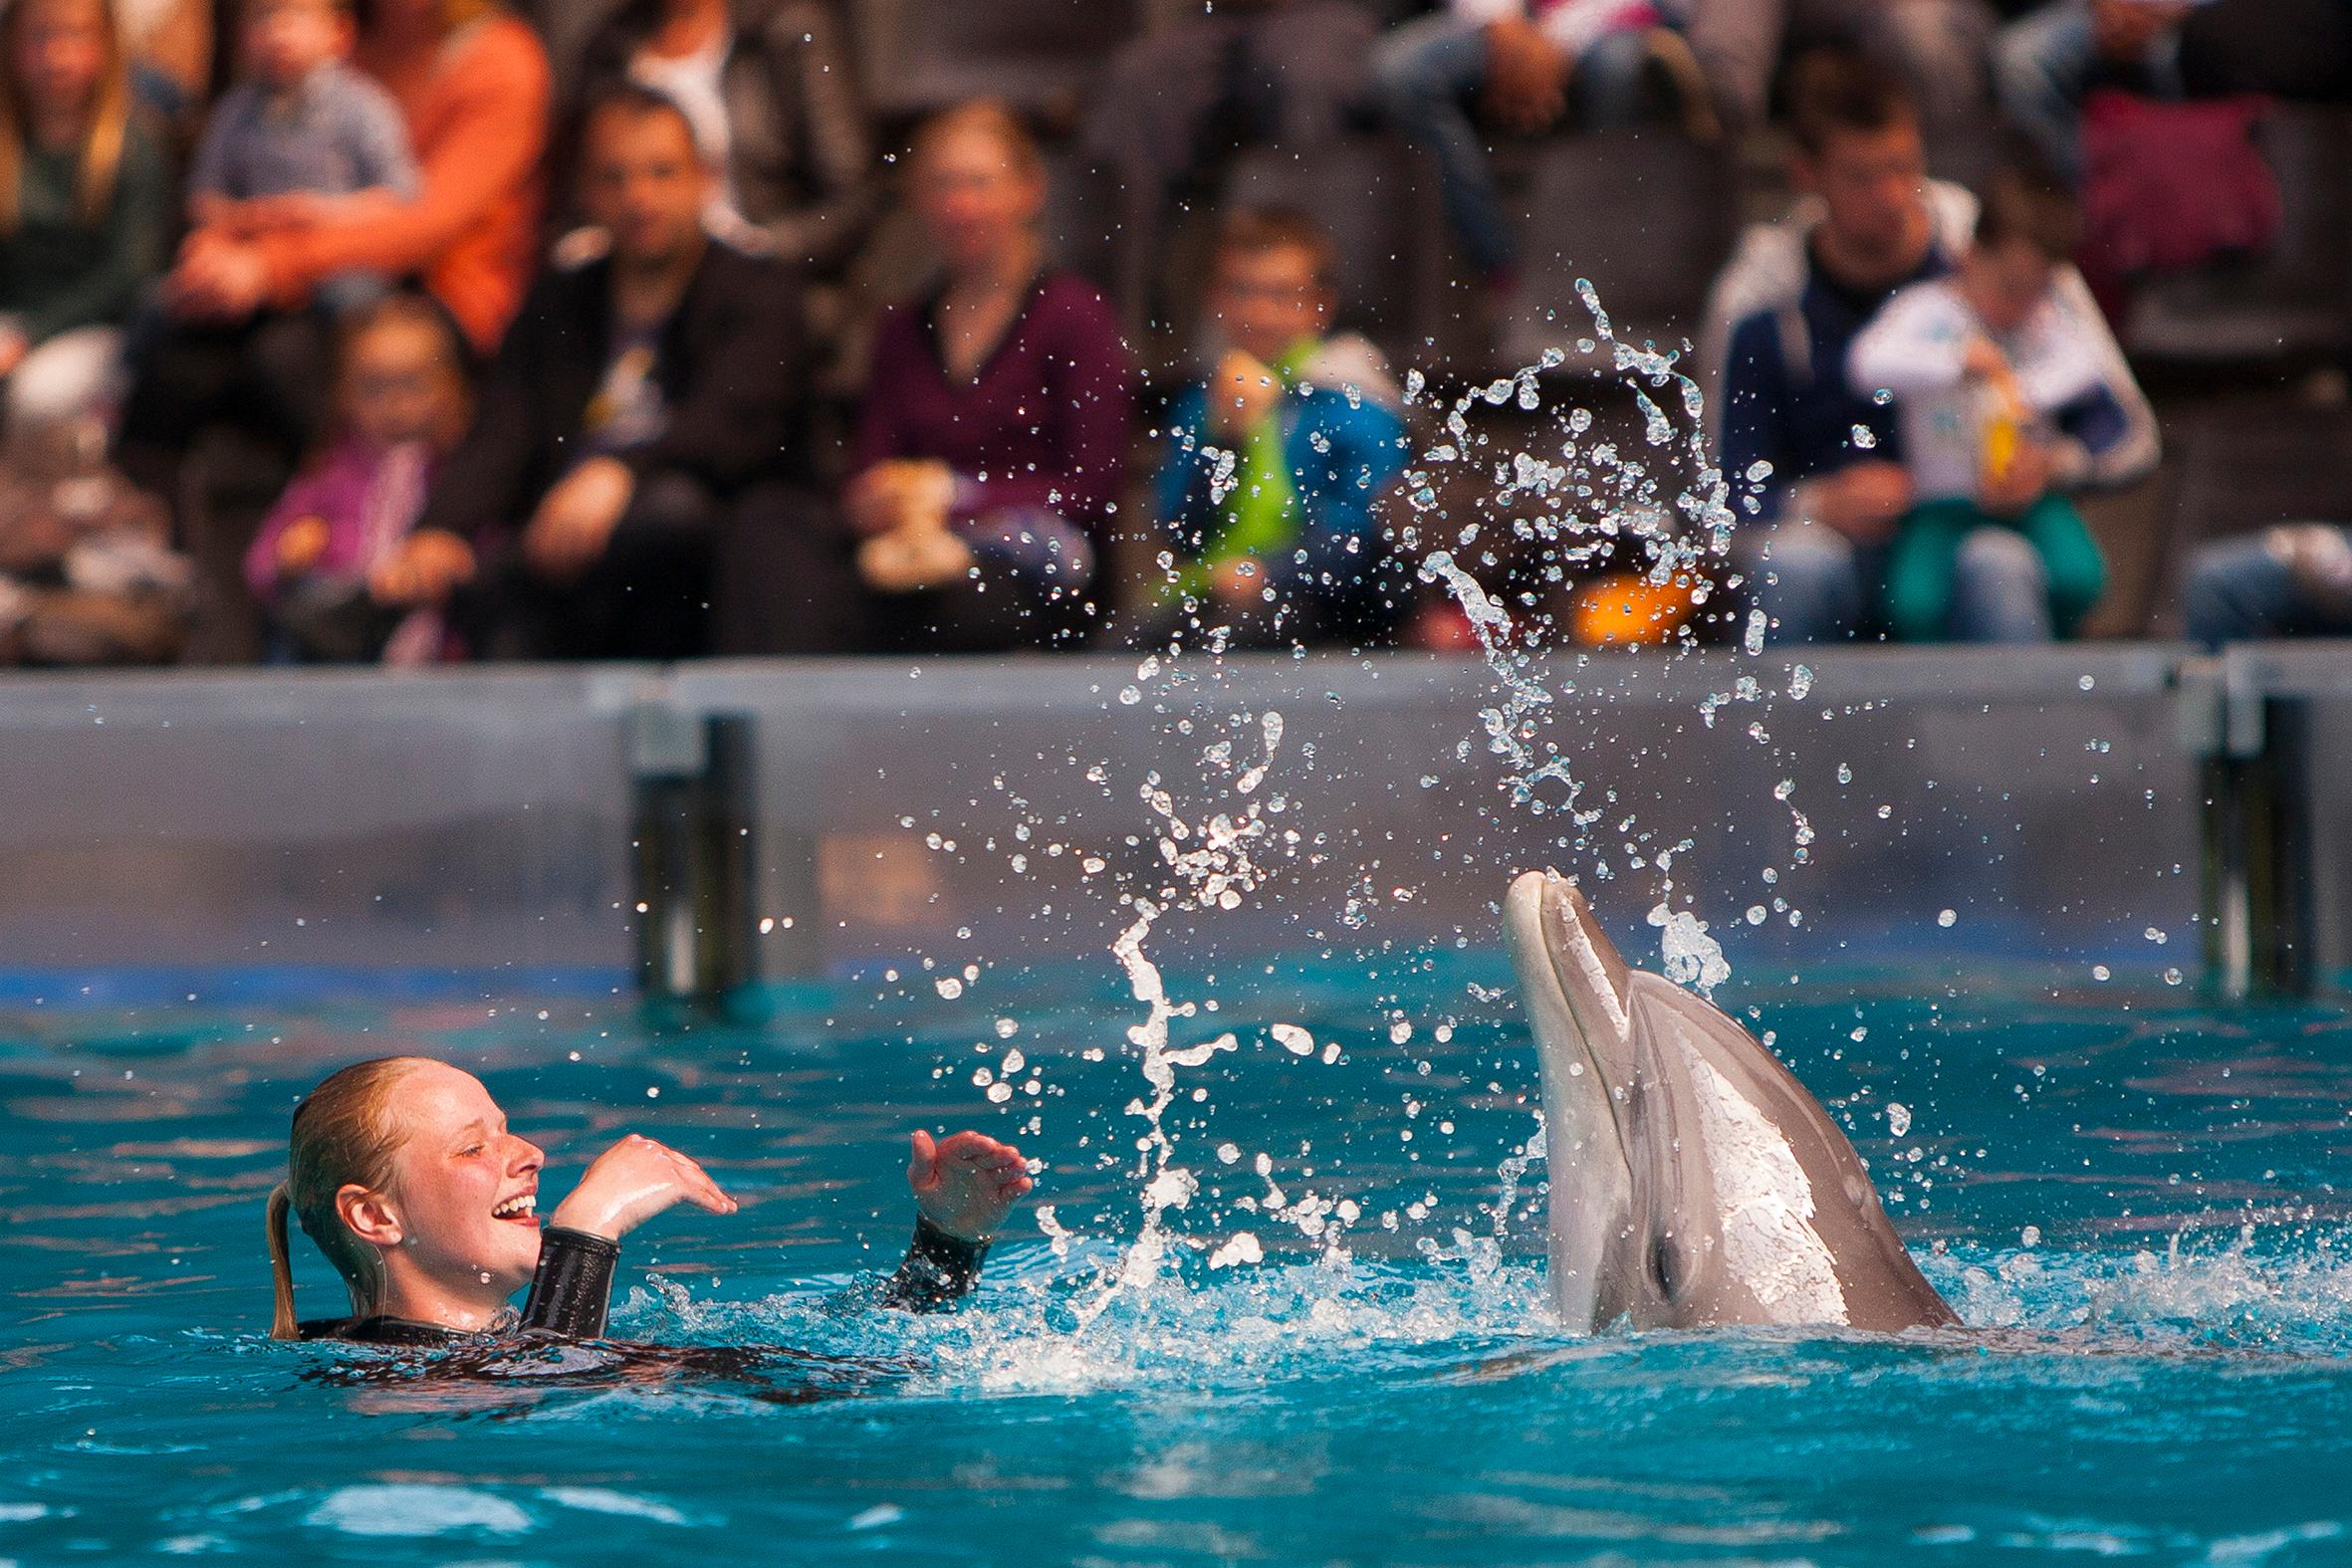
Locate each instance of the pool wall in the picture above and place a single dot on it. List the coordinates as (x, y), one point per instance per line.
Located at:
(478, 823)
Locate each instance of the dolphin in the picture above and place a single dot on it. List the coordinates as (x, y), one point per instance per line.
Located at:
(1694, 1182)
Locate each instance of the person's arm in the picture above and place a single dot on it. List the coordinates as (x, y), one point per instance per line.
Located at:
(381, 158)
(1336, 493)
(571, 1293)
(1080, 460)
(736, 421)
(1753, 393)
(882, 433)
(137, 227)
(818, 94)
(2108, 434)
(1917, 344)
(497, 131)
(939, 1270)
(964, 1188)
(304, 498)
(580, 1250)
(208, 176)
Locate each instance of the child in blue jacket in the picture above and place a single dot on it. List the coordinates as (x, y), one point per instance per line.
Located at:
(1277, 462)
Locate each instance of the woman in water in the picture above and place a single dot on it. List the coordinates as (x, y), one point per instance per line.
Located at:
(402, 1169)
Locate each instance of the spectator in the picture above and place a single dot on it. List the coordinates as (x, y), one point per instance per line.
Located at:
(2011, 394)
(471, 83)
(302, 131)
(2293, 581)
(997, 415)
(1823, 456)
(1936, 45)
(1276, 461)
(2045, 63)
(1176, 99)
(243, 346)
(86, 571)
(640, 412)
(1515, 62)
(85, 207)
(329, 562)
(769, 89)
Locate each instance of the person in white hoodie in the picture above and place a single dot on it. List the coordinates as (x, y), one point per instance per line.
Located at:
(2011, 393)
(1815, 459)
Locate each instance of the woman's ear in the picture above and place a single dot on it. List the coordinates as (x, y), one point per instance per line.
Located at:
(369, 1214)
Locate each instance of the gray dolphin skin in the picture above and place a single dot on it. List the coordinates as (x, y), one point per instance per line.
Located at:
(1694, 1182)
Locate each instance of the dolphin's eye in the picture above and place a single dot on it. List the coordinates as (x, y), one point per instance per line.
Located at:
(1662, 1267)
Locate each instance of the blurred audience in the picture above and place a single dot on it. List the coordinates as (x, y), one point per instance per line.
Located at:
(991, 449)
(2293, 581)
(2012, 394)
(644, 409)
(331, 567)
(1185, 94)
(1276, 460)
(86, 571)
(769, 89)
(300, 130)
(1518, 65)
(2045, 63)
(243, 339)
(364, 218)
(1817, 457)
(1936, 45)
(85, 209)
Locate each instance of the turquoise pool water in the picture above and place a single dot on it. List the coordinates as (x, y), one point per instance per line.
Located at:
(2131, 1201)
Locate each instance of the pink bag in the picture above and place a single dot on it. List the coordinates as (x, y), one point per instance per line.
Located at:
(2168, 186)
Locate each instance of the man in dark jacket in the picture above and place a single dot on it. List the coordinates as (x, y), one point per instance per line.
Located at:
(641, 426)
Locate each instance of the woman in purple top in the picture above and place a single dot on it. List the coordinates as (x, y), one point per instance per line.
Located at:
(998, 414)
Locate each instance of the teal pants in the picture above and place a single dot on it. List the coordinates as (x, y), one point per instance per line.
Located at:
(1924, 559)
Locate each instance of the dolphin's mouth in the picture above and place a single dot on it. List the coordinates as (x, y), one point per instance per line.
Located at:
(1590, 985)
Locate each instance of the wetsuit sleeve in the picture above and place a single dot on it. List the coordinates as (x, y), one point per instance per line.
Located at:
(572, 1290)
(939, 1269)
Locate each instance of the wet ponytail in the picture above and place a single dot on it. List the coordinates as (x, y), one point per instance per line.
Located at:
(344, 1133)
(282, 1321)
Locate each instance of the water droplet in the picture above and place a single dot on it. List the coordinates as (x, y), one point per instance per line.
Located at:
(1293, 1038)
(2172, 977)
(1865, 437)
(949, 987)
(1945, 917)
(2086, 683)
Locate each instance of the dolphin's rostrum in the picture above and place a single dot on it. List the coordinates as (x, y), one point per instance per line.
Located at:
(1694, 1181)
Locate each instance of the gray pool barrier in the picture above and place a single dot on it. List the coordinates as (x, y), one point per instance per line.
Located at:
(686, 829)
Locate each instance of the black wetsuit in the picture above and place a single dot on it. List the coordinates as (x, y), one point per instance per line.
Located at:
(572, 1290)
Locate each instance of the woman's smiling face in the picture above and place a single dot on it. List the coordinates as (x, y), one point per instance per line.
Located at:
(464, 1188)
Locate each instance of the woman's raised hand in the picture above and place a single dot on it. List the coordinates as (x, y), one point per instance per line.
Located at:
(967, 1184)
(630, 1183)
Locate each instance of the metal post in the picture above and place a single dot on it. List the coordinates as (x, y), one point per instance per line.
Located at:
(692, 777)
(2256, 826)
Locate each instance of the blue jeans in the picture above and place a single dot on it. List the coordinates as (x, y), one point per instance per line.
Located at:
(1816, 586)
(2044, 63)
(1427, 76)
(2246, 590)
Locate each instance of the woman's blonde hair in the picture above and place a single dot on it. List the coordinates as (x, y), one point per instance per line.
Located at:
(102, 143)
(345, 1132)
(990, 118)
